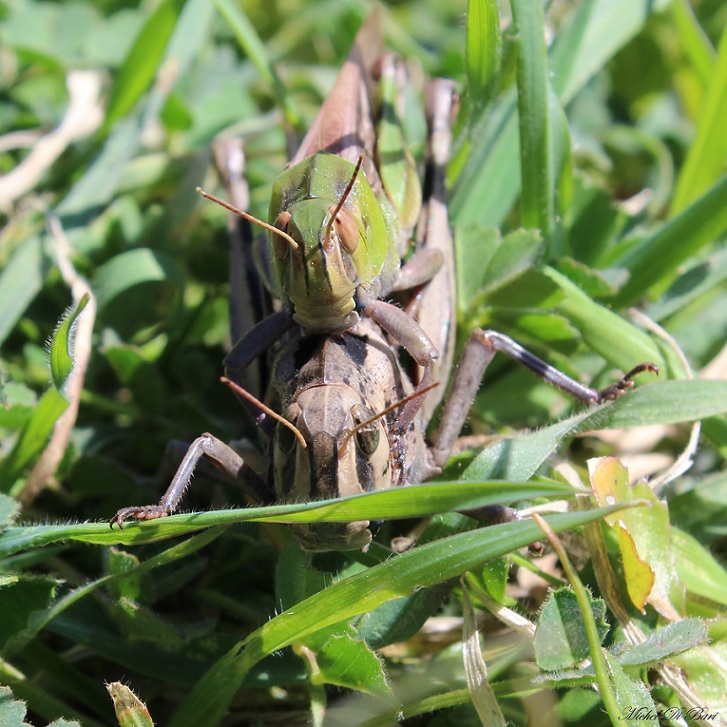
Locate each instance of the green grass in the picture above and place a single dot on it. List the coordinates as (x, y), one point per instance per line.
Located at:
(587, 178)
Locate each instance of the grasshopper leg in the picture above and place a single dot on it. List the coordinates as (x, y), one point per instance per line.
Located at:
(476, 357)
(406, 331)
(432, 264)
(250, 301)
(258, 340)
(419, 269)
(217, 452)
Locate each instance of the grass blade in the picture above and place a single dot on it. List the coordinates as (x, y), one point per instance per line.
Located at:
(484, 48)
(537, 196)
(143, 60)
(706, 157)
(657, 256)
(250, 41)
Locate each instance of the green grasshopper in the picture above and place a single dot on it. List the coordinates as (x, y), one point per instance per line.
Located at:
(344, 428)
(346, 206)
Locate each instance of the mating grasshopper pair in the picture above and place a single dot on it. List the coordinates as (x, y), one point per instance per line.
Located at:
(342, 414)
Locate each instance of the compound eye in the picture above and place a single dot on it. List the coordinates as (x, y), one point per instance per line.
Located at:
(368, 437)
(280, 245)
(347, 230)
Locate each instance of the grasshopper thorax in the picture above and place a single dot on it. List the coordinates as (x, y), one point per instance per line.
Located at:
(332, 464)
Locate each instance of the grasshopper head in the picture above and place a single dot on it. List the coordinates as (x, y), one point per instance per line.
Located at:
(346, 238)
(332, 465)
(320, 277)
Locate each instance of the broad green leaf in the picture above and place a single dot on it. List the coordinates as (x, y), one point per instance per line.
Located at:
(132, 268)
(707, 678)
(594, 222)
(400, 619)
(488, 185)
(591, 34)
(665, 642)
(12, 711)
(701, 573)
(617, 340)
(120, 562)
(699, 511)
(698, 280)
(669, 403)
(433, 563)
(516, 254)
(494, 578)
(589, 281)
(560, 637)
(97, 186)
(350, 663)
(473, 242)
(531, 289)
(662, 644)
(632, 696)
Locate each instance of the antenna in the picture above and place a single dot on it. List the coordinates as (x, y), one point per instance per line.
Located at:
(274, 415)
(344, 442)
(248, 217)
(344, 197)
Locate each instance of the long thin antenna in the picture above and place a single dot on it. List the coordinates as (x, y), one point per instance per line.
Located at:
(344, 442)
(248, 217)
(274, 415)
(344, 197)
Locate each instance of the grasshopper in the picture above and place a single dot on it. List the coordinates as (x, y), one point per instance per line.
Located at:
(333, 389)
(347, 204)
(341, 431)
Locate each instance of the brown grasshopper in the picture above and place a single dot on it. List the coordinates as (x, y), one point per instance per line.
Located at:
(341, 432)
